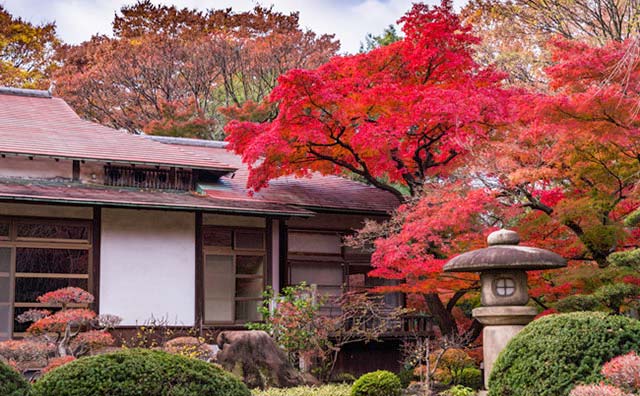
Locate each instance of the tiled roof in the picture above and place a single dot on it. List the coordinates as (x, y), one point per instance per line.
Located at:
(35, 124)
(315, 192)
(56, 192)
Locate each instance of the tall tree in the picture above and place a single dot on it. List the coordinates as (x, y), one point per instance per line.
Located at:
(514, 32)
(26, 52)
(400, 116)
(565, 175)
(168, 70)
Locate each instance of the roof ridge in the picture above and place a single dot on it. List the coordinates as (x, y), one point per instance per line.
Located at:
(33, 93)
(182, 141)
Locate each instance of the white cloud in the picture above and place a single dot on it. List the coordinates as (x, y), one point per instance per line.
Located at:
(350, 20)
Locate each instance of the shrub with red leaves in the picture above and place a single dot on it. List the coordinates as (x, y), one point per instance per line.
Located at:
(91, 340)
(624, 371)
(73, 330)
(26, 350)
(597, 390)
(58, 322)
(64, 297)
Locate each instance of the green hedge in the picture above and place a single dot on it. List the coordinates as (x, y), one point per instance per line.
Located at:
(11, 382)
(556, 352)
(139, 372)
(377, 383)
(324, 390)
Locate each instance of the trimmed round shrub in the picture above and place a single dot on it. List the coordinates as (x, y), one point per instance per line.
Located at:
(377, 383)
(139, 372)
(470, 377)
(555, 353)
(11, 382)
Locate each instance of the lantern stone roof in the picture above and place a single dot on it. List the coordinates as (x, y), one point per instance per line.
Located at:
(504, 253)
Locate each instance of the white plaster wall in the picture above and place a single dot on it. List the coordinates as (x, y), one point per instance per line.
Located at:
(147, 265)
(69, 212)
(41, 168)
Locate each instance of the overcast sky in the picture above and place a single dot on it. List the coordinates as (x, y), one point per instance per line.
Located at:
(350, 20)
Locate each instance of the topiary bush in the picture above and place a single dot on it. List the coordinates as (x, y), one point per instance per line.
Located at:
(554, 353)
(11, 382)
(377, 383)
(139, 372)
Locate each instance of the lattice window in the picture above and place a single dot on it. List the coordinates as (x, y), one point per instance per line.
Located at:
(122, 176)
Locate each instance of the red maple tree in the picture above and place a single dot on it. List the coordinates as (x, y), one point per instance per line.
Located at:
(402, 117)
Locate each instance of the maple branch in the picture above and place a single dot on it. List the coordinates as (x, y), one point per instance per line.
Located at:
(375, 182)
(533, 202)
(457, 296)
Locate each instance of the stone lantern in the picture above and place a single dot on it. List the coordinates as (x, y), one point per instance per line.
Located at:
(503, 281)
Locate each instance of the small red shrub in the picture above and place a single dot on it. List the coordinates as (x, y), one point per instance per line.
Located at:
(624, 371)
(93, 339)
(597, 390)
(66, 296)
(26, 350)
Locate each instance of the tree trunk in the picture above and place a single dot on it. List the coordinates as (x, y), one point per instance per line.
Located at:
(446, 321)
(443, 317)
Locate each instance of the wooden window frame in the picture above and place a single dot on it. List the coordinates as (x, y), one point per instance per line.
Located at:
(234, 253)
(14, 243)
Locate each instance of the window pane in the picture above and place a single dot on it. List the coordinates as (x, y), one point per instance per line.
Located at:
(218, 288)
(28, 289)
(249, 287)
(317, 273)
(60, 261)
(249, 265)
(5, 259)
(315, 243)
(5, 322)
(5, 289)
(250, 240)
(53, 231)
(4, 229)
(247, 311)
(213, 236)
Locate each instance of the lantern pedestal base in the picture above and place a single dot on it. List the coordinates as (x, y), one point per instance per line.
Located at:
(501, 324)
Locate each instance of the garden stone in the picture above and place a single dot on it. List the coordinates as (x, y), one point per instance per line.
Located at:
(257, 359)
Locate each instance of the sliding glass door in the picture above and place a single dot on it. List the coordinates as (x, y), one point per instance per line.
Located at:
(38, 256)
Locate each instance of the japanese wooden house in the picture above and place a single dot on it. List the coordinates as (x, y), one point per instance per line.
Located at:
(161, 227)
